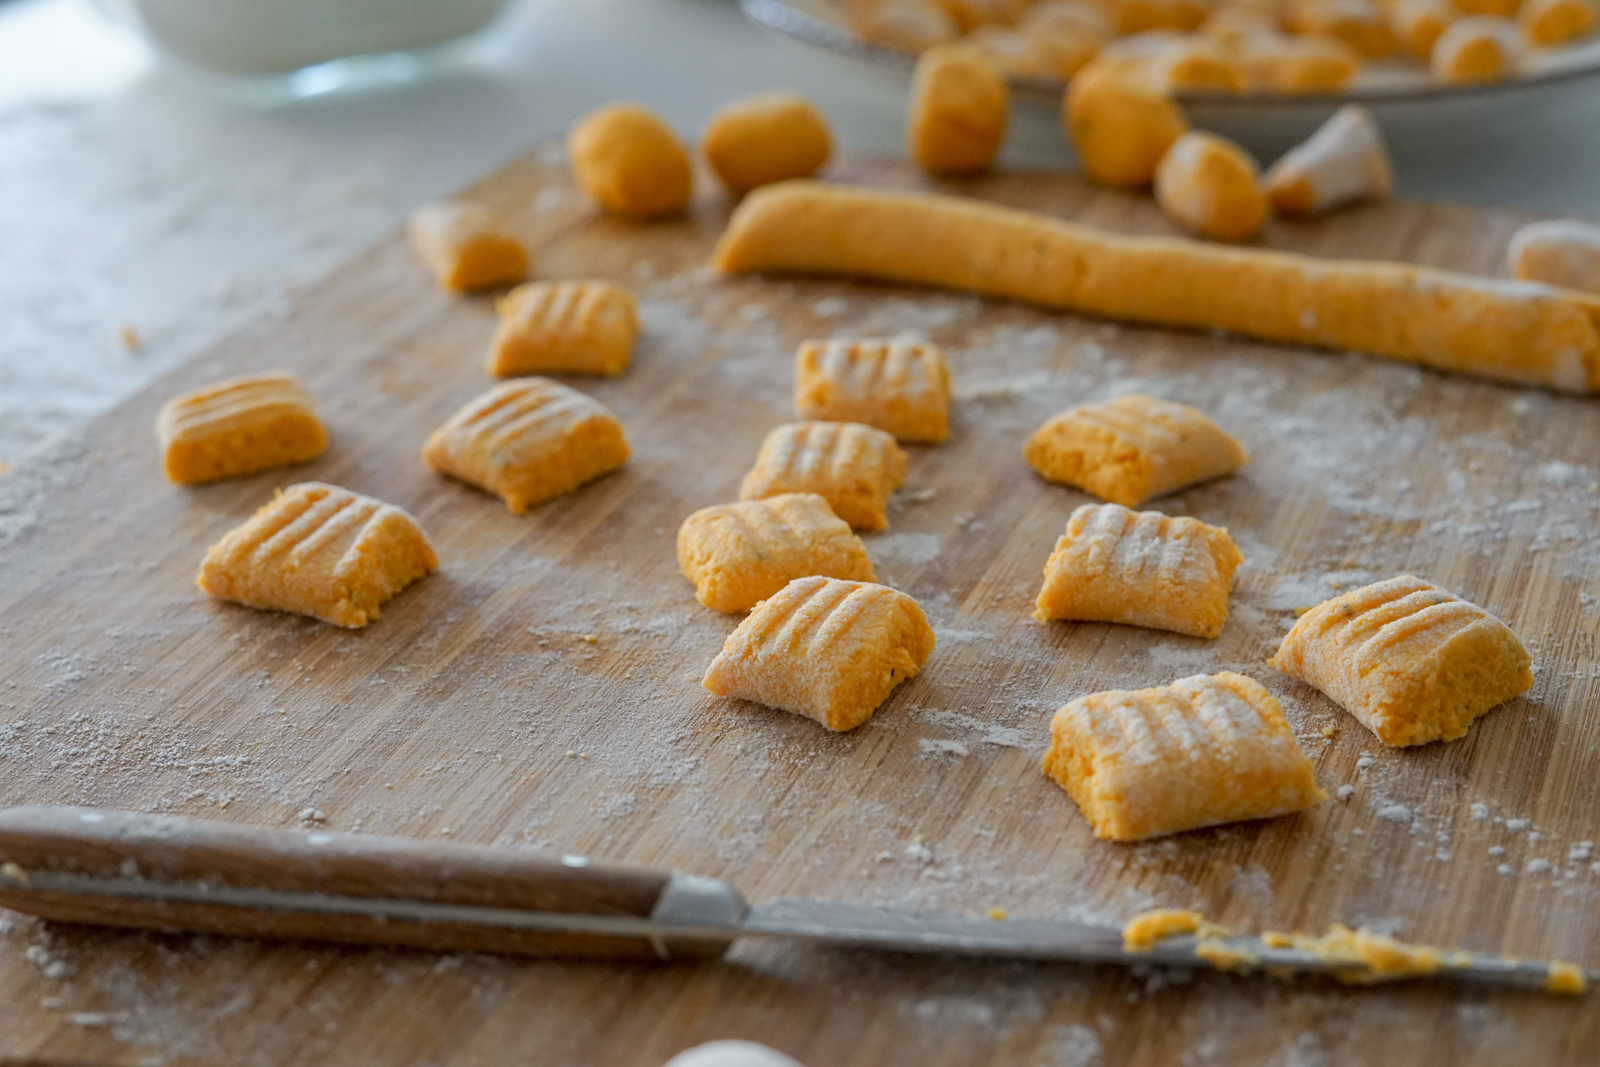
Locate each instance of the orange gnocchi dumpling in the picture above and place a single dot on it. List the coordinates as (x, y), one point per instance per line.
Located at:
(1140, 568)
(239, 426)
(851, 466)
(740, 554)
(1132, 448)
(902, 387)
(1409, 660)
(827, 649)
(322, 551)
(1201, 751)
(466, 247)
(564, 328)
(528, 441)
(1344, 161)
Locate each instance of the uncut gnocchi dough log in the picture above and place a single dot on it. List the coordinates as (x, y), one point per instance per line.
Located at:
(1494, 329)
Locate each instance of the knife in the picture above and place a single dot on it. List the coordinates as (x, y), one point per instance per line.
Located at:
(128, 869)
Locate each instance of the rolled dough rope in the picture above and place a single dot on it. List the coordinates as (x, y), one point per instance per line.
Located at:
(1511, 331)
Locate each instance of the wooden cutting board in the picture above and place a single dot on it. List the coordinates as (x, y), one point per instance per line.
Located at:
(542, 690)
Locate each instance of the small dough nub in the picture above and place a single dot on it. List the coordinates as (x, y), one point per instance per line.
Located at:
(1344, 161)
(827, 649)
(528, 441)
(628, 159)
(958, 113)
(1409, 660)
(1211, 186)
(851, 466)
(466, 247)
(564, 328)
(322, 551)
(237, 427)
(765, 138)
(1477, 50)
(902, 387)
(1199, 752)
(1548, 23)
(1131, 449)
(1559, 252)
(1120, 122)
(731, 1054)
(738, 555)
(1140, 568)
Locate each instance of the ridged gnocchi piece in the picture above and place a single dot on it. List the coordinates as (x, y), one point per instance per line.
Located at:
(629, 161)
(1211, 186)
(738, 555)
(322, 551)
(851, 466)
(902, 387)
(1140, 568)
(237, 427)
(765, 138)
(1411, 661)
(827, 649)
(1199, 752)
(1548, 23)
(1476, 51)
(1344, 161)
(583, 327)
(959, 108)
(528, 441)
(1132, 448)
(1559, 252)
(466, 247)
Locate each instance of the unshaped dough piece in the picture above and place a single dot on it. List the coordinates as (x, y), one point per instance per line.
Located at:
(765, 138)
(1417, 25)
(1412, 662)
(1558, 252)
(958, 113)
(322, 551)
(731, 1054)
(1282, 63)
(237, 427)
(466, 247)
(1120, 122)
(1139, 16)
(740, 554)
(827, 649)
(1361, 24)
(1191, 63)
(1048, 53)
(1211, 185)
(1201, 751)
(1548, 23)
(628, 159)
(1496, 8)
(564, 328)
(1476, 51)
(1080, 16)
(1140, 568)
(972, 15)
(1132, 448)
(902, 387)
(528, 441)
(851, 466)
(907, 25)
(1344, 161)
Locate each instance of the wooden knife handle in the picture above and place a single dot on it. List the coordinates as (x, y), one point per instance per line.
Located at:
(86, 865)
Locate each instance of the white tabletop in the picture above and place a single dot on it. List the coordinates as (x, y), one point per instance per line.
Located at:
(129, 198)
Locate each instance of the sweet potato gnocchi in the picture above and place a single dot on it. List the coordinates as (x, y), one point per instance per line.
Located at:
(1140, 568)
(528, 441)
(765, 138)
(628, 159)
(564, 328)
(1132, 448)
(322, 551)
(740, 554)
(1201, 751)
(851, 466)
(1211, 186)
(1412, 662)
(466, 247)
(901, 387)
(1342, 162)
(237, 427)
(959, 108)
(827, 649)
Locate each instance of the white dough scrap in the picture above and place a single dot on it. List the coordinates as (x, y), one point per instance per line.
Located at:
(731, 1054)
(1560, 252)
(1344, 161)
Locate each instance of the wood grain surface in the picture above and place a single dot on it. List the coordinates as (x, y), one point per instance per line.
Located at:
(542, 689)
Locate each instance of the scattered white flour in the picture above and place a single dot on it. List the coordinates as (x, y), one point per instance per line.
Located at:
(908, 548)
(1516, 826)
(1345, 792)
(830, 307)
(1074, 1046)
(945, 637)
(1294, 591)
(1393, 812)
(1480, 812)
(932, 746)
(1537, 866)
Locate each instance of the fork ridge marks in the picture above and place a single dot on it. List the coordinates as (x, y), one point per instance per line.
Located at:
(528, 441)
(1202, 751)
(322, 551)
(585, 327)
(828, 649)
(852, 466)
(902, 387)
(237, 427)
(1140, 568)
(1410, 660)
(739, 554)
(1132, 448)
